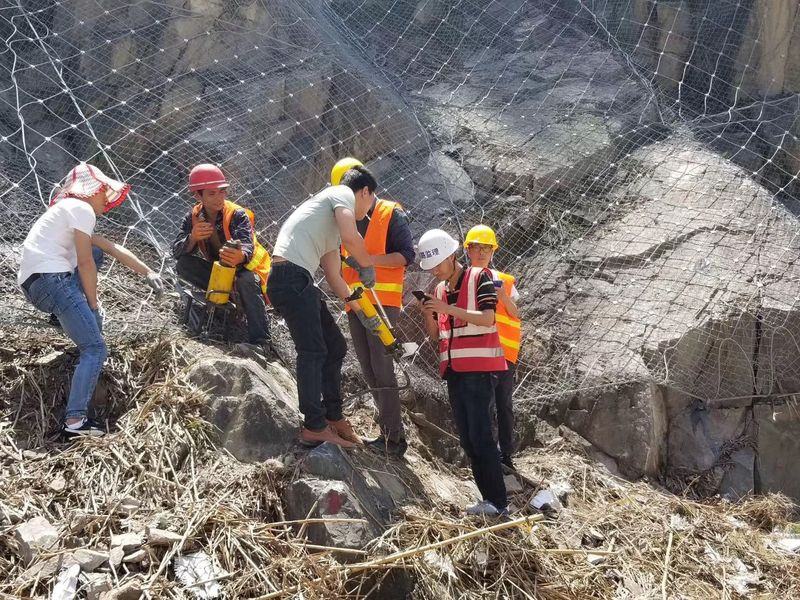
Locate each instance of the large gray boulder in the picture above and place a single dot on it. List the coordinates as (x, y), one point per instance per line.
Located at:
(253, 407)
(680, 291)
(349, 526)
(379, 489)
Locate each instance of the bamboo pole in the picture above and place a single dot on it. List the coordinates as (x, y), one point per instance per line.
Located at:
(398, 556)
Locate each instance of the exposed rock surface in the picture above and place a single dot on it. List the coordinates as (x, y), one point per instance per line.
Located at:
(684, 282)
(87, 559)
(525, 104)
(321, 499)
(734, 64)
(664, 262)
(379, 490)
(254, 407)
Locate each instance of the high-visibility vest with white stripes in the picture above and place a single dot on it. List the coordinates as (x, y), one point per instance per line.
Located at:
(508, 328)
(465, 347)
(388, 280)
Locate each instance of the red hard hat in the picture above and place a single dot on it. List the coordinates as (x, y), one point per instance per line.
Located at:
(206, 177)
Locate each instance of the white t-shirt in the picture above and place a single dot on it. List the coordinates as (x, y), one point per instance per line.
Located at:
(311, 230)
(50, 245)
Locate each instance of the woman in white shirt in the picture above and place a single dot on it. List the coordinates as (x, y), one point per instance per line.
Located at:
(58, 275)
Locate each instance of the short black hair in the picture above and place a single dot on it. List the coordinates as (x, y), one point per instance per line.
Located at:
(358, 178)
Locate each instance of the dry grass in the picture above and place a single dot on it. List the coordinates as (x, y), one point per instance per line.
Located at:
(642, 543)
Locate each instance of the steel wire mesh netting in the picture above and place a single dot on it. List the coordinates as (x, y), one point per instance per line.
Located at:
(637, 159)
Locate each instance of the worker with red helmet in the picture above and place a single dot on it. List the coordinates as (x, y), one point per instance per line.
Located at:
(213, 221)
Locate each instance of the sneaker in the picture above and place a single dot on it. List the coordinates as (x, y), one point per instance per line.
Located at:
(383, 446)
(311, 438)
(85, 427)
(345, 431)
(506, 460)
(484, 508)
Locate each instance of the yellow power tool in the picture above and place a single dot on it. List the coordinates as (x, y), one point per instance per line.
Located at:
(384, 330)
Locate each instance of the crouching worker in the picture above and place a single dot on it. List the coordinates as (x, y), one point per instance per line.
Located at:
(308, 240)
(213, 221)
(461, 315)
(480, 245)
(58, 275)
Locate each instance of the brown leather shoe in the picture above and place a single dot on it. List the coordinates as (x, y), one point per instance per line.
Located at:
(308, 437)
(345, 431)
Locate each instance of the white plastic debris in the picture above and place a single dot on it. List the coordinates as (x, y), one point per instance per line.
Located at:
(561, 489)
(789, 544)
(738, 575)
(678, 523)
(552, 498)
(199, 574)
(66, 587)
(545, 500)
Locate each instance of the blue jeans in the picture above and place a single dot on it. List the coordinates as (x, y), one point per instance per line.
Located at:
(62, 295)
(319, 343)
(197, 271)
(470, 397)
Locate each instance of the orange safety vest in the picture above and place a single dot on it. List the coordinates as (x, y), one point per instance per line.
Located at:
(261, 262)
(466, 347)
(389, 280)
(508, 328)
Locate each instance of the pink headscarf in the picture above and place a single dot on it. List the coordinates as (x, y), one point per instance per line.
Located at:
(85, 180)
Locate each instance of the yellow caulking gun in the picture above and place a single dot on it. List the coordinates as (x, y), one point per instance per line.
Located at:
(384, 330)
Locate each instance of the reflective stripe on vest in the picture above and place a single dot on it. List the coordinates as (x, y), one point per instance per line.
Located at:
(389, 286)
(261, 262)
(508, 328)
(467, 347)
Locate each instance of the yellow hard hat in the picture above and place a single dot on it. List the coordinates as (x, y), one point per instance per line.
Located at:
(342, 167)
(481, 234)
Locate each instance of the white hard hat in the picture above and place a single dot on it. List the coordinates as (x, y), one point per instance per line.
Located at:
(434, 246)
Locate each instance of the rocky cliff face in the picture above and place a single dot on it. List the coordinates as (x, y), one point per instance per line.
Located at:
(689, 283)
(636, 165)
(731, 66)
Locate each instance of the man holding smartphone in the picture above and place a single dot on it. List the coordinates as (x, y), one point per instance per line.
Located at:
(389, 241)
(461, 316)
(481, 243)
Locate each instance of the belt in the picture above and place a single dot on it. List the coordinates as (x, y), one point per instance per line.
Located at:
(27, 283)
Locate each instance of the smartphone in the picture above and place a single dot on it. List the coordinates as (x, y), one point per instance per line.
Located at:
(420, 295)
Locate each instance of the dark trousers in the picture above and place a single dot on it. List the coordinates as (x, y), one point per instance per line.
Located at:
(319, 343)
(503, 382)
(378, 369)
(470, 398)
(197, 271)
